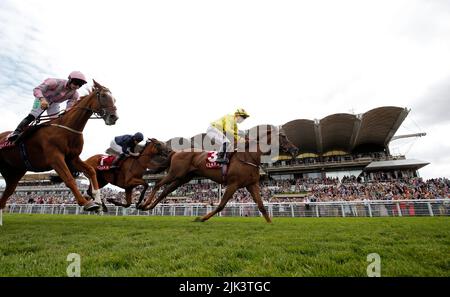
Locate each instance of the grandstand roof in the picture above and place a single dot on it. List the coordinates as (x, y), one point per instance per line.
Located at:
(370, 131)
(396, 164)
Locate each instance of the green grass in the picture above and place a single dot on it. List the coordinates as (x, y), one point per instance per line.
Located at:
(38, 245)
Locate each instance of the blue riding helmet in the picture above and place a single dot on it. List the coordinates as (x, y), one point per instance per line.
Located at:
(138, 137)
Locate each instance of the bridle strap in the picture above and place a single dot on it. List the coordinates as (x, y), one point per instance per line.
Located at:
(67, 128)
(99, 113)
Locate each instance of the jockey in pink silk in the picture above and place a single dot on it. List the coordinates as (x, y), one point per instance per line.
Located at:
(49, 95)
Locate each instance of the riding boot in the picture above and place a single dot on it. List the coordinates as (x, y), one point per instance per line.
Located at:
(222, 155)
(25, 122)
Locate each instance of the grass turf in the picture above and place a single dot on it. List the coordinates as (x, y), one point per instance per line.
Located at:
(38, 245)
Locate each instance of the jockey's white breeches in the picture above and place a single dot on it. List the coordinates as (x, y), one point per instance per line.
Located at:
(115, 147)
(218, 137)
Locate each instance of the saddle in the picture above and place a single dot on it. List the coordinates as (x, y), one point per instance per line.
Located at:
(27, 132)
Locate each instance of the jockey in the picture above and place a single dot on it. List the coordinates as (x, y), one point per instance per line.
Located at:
(124, 145)
(224, 130)
(49, 95)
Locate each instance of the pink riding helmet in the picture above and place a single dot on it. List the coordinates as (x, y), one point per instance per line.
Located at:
(77, 75)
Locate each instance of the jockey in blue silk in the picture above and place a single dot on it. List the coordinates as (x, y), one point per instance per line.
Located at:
(49, 95)
(125, 145)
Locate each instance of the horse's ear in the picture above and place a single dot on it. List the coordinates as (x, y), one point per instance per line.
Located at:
(97, 85)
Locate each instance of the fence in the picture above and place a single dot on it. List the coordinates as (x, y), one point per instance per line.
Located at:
(372, 208)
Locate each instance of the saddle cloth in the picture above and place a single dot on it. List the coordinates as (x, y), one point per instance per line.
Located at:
(5, 143)
(105, 162)
(211, 158)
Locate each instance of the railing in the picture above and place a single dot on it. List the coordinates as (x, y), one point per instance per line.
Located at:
(370, 208)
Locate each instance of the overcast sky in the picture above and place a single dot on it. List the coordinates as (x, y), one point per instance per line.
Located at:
(174, 66)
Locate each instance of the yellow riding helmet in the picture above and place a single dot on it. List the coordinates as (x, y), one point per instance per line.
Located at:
(241, 112)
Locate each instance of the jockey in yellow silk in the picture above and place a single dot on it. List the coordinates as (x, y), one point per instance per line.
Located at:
(225, 130)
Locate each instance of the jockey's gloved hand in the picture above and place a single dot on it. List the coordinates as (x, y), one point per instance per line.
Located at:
(44, 103)
(134, 154)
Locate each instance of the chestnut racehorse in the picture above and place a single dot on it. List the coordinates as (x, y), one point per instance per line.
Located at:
(243, 172)
(129, 174)
(57, 145)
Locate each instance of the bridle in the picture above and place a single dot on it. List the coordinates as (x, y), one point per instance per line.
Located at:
(149, 142)
(253, 161)
(103, 111)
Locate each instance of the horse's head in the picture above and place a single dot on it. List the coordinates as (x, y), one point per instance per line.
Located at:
(155, 147)
(104, 106)
(286, 146)
(159, 154)
(269, 139)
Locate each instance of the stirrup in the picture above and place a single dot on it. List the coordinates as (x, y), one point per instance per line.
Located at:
(114, 166)
(222, 161)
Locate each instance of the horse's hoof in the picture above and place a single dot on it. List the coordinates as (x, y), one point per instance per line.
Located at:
(104, 208)
(198, 219)
(91, 206)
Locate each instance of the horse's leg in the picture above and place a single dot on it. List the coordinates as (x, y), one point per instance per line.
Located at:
(128, 193)
(90, 172)
(11, 181)
(101, 183)
(63, 171)
(141, 197)
(255, 192)
(134, 182)
(226, 196)
(169, 189)
(167, 179)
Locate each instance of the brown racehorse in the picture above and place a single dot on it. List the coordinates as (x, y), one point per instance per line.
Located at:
(57, 145)
(129, 174)
(243, 172)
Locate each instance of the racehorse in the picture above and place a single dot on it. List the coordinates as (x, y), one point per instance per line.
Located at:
(243, 172)
(57, 144)
(129, 173)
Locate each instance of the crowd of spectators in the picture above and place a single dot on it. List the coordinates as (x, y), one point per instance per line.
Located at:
(376, 156)
(293, 190)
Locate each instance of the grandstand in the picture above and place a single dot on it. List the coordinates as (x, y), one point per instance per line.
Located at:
(336, 146)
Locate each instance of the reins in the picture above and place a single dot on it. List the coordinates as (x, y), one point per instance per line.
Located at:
(249, 163)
